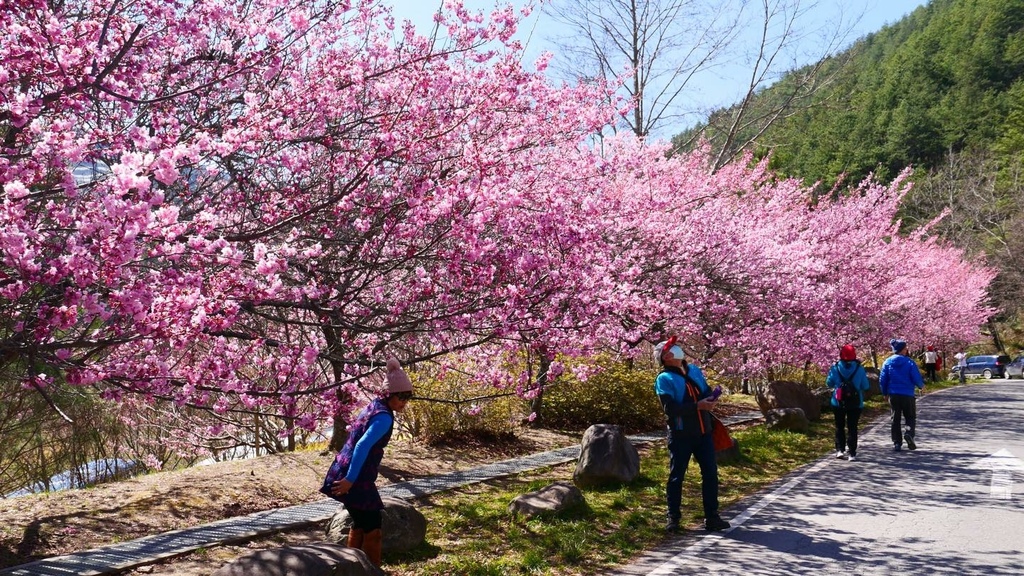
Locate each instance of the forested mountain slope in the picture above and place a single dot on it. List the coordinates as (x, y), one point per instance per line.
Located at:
(941, 91)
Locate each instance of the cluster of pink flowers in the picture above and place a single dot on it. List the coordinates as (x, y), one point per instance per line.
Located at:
(248, 206)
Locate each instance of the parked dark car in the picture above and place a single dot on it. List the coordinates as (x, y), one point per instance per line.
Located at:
(1015, 369)
(986, 366)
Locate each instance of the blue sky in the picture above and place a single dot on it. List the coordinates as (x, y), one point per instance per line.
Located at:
(721, 87)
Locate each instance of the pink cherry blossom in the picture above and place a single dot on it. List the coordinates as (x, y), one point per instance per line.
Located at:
(246, 208)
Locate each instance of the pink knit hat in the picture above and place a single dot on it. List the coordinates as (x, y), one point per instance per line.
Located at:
(398, 380)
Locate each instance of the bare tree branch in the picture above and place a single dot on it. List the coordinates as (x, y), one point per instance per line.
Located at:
(663, 50)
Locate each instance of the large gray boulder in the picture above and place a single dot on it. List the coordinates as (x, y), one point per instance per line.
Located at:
(824, 397)
(791, 419)
(320, 559)
(402, 525)
(548, 500)
(606, 457)
(786, 394)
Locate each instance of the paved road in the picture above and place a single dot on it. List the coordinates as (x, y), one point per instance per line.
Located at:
(950, 507)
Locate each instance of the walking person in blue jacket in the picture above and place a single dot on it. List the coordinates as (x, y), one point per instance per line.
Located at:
(687, 401)
(849, 382)
(899, 376)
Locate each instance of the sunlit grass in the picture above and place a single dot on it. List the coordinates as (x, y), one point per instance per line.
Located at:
(472, 532)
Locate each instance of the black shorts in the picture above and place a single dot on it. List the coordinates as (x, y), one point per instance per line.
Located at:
(366, 520)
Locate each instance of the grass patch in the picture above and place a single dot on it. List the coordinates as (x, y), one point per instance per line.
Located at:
(472, 532)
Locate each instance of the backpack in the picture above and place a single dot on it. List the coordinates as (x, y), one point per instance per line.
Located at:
(846, 392)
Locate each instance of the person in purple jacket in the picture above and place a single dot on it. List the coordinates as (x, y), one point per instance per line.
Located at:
(353, 475)
(898, 379)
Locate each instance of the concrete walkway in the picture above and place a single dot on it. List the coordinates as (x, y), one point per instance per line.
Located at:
(123, 556)
(947, 508)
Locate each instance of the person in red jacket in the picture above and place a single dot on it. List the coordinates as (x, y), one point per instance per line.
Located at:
(931, 363)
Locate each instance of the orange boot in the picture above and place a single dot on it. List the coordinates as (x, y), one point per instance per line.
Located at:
(355, 538)
(372, 542)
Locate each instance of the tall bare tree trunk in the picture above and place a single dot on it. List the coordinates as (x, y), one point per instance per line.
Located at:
(339, 432)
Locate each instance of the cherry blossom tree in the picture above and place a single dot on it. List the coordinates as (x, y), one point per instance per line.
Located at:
(243, 209)
(273, 196)
(753, 270)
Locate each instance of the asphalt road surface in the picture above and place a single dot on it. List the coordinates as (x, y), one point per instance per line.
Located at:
(950, 507)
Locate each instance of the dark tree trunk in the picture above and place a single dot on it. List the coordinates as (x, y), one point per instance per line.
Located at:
(994, 330)
(542, 380)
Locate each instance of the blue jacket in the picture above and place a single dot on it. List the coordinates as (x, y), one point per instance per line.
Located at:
(899, 376)
(377, 417)
(680, 408)
(850, 370)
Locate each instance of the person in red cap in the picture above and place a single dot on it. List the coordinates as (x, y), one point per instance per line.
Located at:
(848, 381)
(353, 475)
(931, 361)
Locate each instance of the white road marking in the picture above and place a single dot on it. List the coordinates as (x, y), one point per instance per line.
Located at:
(1002, 464)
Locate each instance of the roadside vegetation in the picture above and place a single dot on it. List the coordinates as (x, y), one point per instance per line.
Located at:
(471, 531)
(939, 91)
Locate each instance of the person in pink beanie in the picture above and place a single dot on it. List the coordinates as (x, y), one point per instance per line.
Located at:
(353, 475)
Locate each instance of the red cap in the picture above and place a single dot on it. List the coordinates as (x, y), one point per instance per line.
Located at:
(847, 352)
(931, 348)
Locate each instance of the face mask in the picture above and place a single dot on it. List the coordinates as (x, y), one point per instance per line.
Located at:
(677, 352)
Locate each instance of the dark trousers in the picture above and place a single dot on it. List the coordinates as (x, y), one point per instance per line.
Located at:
(368, 520)
(847, 420)
(929, 372)
(904, 407)
(681, 447)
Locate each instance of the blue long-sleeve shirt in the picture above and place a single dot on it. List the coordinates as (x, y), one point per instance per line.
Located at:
(675, 385)
(378, 427)
(899, 376)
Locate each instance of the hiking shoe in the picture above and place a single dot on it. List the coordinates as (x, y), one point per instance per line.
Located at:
(896, 447)
(715, 524)
(851, 458)
(840, 455)
(910, 441)
(672, 525)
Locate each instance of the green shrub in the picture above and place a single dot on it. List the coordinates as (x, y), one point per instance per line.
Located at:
(618, 394)
(451, 407)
